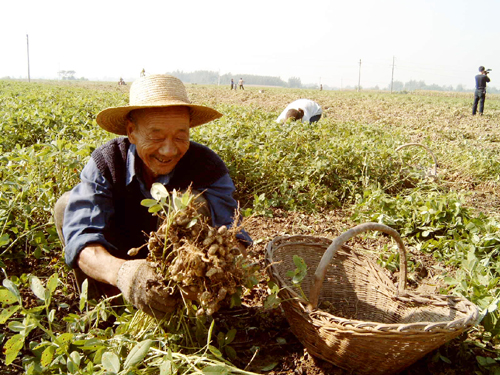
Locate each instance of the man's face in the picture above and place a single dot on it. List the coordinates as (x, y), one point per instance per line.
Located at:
(161, 136)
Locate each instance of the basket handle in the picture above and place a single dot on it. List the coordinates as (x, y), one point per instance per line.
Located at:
(320, 273)
(427, 149)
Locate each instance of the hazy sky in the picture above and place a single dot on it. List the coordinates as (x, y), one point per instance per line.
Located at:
(437, 41)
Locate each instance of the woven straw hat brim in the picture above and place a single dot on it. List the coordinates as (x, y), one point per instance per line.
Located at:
(155, 91)
(114, 119)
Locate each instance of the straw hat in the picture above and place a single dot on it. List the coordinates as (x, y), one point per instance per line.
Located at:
(154, 91)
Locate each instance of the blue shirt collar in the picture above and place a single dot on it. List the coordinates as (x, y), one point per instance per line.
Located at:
(133, 171)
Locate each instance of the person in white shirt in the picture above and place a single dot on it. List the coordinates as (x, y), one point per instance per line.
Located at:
(305, 110)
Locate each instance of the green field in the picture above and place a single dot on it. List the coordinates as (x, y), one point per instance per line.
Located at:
(346, 166)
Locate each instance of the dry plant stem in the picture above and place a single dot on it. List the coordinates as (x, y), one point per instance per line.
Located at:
(194, 359)
(320, 273)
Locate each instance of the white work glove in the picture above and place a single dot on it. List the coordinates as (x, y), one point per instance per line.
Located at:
(136, 280)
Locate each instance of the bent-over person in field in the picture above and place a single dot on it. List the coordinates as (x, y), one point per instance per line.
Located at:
(305, 110)
(101, 219)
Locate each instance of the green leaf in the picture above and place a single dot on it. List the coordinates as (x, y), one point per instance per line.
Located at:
(83, 294)
(73, 362)
(4, 239)
(7, 297)
(178, 204)
(47, 356)
(111, 362)
(231, 353)
(7, 313)
(16, 326)
(65, 337)
(155, 208)
(138, 353)
(235, 300)
(158, 191)
(220, 339)
(12, 288)
(12, 348)
(485, 361)
(166, 367)
(269, 367)
(186, 198)
(52, 283)
(51, 315)
(210, 331)
(301, 271)
(37, 287)
(444, 359)
(215, 370)
(272, 301)
(90, 368)
(216, 352)
(281, 340)
(148, 202)
(230, 336)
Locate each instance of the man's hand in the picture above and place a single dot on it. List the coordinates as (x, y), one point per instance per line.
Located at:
(136, 282)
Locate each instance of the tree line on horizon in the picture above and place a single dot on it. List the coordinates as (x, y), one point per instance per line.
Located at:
(205, 77)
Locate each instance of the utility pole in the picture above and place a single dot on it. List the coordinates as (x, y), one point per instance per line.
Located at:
(359, 76)
(392, 78)
(28, 49)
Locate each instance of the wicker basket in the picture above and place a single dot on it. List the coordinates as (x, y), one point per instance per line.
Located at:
(364, 323)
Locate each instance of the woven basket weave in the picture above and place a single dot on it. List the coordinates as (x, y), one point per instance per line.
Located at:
(364, 323)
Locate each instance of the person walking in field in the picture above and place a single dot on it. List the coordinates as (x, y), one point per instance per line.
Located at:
(305, 110)
(102, 218)
(143, 73)
(480, 93)
(240, 83)
(232, 83)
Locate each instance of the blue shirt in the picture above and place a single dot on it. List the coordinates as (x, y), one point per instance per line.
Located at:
(90, 206)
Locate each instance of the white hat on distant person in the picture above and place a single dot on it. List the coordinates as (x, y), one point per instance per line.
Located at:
(154, 91)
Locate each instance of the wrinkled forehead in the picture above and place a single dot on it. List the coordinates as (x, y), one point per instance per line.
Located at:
(148, 115)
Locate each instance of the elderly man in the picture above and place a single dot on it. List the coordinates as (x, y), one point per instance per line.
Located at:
(103, 217)
(305, 110)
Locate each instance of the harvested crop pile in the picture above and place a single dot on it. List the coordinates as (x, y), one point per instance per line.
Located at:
(190, 254)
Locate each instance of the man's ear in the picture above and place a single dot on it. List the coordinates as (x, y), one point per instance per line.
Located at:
(131, 129)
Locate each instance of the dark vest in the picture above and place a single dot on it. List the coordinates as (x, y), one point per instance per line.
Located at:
(131, 223)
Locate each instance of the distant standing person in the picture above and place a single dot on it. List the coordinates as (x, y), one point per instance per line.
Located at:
(143, 73)
(305, 110)
(480, 94)
(232, 83)
(240, 83)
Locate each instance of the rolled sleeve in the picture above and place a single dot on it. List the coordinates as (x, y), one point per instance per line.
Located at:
(89, 209)
(222, 205)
